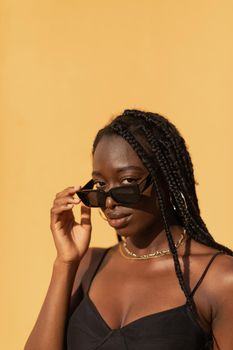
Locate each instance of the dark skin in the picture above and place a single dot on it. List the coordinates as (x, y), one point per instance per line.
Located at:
(113, 288)
(125, 290)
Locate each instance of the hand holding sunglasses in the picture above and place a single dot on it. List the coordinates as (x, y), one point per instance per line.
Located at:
(125, 194)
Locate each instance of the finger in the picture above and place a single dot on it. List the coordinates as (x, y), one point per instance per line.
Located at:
(56, 211)
(85, 220)
(68, 191)
(65, 200)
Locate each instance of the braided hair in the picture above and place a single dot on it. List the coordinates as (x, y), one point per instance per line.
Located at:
(163, 152)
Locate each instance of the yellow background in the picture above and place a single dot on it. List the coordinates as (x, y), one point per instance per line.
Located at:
(66, 68)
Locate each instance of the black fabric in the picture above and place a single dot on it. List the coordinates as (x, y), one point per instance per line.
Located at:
(173, 329)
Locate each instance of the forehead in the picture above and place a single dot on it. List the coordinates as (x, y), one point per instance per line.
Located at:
(113, 153)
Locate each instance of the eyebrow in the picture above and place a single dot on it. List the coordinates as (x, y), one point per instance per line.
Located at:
(121, 169)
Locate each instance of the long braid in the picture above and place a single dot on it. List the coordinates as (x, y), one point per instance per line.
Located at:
(175, 184)
(197, 228)
(177, 142)
(173, 164)
(200, 235)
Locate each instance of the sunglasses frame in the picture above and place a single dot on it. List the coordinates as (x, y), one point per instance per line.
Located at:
(139, 188)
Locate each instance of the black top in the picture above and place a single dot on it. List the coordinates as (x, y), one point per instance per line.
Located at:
(173, 329)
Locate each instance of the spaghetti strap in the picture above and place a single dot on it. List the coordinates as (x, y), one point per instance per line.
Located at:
(204, 273)
(94, 268)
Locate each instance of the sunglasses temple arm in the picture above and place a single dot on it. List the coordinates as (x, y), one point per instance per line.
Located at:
(87, 186)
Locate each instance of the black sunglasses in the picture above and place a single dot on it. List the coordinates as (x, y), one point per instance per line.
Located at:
(126, 194)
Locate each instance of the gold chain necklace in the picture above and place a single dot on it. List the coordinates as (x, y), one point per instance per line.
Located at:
(156, 254)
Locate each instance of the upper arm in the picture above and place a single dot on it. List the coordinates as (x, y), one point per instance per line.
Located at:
(222, 323)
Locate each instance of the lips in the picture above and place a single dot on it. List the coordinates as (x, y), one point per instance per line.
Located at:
(118, 220)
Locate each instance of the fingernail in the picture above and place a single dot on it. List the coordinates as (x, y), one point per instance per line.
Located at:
(77, 200)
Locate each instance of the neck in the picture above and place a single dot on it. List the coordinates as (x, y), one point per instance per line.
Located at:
(151, 242)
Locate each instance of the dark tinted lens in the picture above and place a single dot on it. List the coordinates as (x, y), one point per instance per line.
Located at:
(126, 194)
(84, 198)
(100, 198)
(92, 198)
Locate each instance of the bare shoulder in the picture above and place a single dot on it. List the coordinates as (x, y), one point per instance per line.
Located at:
(222, 260)
(215, 293)
(219, 279)
(222, 276)
(220, 291)
(218, 265)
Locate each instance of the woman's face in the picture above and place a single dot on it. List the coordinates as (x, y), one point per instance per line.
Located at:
(115, 163)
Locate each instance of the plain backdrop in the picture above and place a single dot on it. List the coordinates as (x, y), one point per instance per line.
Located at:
(66, 68)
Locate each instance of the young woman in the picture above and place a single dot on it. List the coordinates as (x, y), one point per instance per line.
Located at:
(167, 284)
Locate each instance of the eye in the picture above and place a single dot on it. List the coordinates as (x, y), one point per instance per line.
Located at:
(129, 180)
(98, 184)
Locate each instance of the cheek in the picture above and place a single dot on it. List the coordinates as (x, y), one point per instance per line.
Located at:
(145, 217)
(149, 204)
